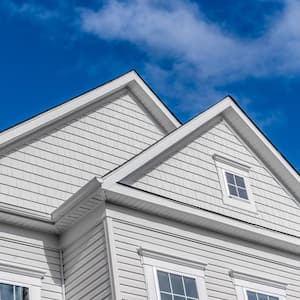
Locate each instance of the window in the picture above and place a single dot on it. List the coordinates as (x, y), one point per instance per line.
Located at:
(173, 278)
(13, 292)
(19, 282)
(259, 296)
(250, 287)
(176, 287)
(235, 183)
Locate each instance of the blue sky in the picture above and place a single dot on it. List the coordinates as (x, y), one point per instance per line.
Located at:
(191, 53)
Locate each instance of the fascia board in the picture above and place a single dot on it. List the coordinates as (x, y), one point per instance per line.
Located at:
(131, 79)
(166, 143)
(173, 210)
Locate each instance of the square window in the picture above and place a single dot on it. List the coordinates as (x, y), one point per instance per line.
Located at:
(235, 183)
(236, 186)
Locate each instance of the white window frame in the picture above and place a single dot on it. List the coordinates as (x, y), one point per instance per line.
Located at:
(19, 275)
(153, 261)
(224, 165)
(244, 282)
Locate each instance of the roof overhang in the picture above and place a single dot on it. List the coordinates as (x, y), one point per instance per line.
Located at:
(93, 195)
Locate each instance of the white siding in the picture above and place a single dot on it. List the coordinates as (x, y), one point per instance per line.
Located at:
(86, 269)
(190, 176)
(42, 174)
(37, 250)
(221, 254)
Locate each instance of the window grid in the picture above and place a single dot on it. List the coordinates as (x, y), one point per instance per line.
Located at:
(236, 186)
(172, 294)
(260, 296)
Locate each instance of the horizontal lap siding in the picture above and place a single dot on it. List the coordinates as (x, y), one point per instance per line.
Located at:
(129, 237)
(190, 176)
(41, 175)
(86, 268)
(21, 252)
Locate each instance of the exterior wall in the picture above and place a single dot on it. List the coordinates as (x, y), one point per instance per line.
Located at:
(40, 176)
(222, 254)
(33, 249)
(86, 268)
(190, 176)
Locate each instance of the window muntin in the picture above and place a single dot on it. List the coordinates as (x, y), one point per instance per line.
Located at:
(236, 186)
(176, 287)
(260, 296)
(13, 292)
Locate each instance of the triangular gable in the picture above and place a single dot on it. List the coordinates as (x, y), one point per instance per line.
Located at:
(228, 110)
(131, 80)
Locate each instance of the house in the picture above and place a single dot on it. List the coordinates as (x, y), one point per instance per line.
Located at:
(109, 196)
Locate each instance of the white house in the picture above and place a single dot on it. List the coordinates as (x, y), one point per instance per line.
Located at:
(108, 196)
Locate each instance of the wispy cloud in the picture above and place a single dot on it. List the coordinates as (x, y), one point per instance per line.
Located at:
(200, 51)
(30, 9)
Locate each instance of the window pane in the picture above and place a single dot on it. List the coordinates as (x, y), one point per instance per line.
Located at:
(190, 287)
(179, 298)
(240, 181)
(177, 285)
(21, 293)
(262, 297)
(165, 296)
(251, 295)
(242, 193)
(273, 298)
(229, 178)
(6, 292)
(163, 279)
(232, 190)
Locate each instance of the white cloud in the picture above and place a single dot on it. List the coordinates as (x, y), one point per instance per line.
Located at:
(199, 49)
(181, 31)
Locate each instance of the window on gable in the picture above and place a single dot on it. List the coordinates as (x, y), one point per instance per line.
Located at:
(236, 186)
(176, 287)
(13, 292)
(235, 183)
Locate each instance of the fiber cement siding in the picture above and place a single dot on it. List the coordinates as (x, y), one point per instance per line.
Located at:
(190, 176)
(37, 250)
(39, 176)
(221, 255)
(86, 268)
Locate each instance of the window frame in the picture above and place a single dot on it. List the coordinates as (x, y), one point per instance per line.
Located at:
(24, 276)
(244, 282)
(224, 165)
(153, 261)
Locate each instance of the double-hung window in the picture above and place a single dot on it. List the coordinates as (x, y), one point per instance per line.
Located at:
(250, 287)
(173, 278)
(19, 282)
(13, 292)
